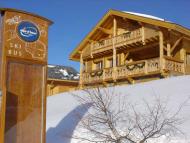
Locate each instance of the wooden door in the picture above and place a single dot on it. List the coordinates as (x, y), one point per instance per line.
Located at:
(24, 103)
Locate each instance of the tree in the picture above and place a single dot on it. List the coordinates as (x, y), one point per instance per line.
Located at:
(115, 118)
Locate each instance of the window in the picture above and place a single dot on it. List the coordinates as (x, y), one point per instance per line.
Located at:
(188, 59)
(99, 65)
(110, 63)
(118, 60)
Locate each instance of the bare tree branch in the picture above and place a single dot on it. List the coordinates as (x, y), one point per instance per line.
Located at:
(114, 118)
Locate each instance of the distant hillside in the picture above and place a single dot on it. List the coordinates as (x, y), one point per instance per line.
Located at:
(61, 108)
(62, 72)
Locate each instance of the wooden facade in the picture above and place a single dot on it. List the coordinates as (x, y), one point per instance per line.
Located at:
(55, 86)
(130, 48)
(23, 68)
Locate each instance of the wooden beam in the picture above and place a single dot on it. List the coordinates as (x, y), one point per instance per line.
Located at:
(142, 48)
(114, 48)
(122, 58)
(91, 41)
(125, 19)
(143, 35)
(141, 23)
(81, 70)
(176, 44)
(107, 31)
(161, 45)
(131, 80)
(91, 49)
(168, 49)
(114, 34)
(126, 55)
(165, 48)
(183, 58)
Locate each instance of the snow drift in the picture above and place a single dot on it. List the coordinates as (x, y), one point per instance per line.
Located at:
(62, 108)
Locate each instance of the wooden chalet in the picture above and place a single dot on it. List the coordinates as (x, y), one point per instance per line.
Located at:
(131, 47)
(61, 79)
(56, 86)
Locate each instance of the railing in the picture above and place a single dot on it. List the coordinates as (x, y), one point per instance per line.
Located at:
(108, 73)
(130, 69)
(94, 76)
(121, 71)
(128, 37)
(133, 69)
(138, 68)
(86, 78)
(153, 65)
(174, 65)
(102, 44)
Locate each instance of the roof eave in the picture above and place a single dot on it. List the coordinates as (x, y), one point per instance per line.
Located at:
(88, 35)
(74, 59)
(63, 80)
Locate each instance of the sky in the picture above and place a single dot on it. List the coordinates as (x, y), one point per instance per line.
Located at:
(73, 19)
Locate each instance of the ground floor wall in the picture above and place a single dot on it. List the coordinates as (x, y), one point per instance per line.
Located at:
(53, 89)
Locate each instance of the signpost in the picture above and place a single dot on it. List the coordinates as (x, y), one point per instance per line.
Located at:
(23, 62)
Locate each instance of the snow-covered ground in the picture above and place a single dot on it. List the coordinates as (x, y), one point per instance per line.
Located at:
(62, 108)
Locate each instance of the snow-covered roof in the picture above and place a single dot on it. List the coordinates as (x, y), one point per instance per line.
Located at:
(62, 72)
(62, 108)
(144, 15)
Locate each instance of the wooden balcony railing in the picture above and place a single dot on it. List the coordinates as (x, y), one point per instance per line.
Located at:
(153, 65)
(138, 68)
(174, 65)
(128, 38)
(108, 73)
(94, 76)
(102, 44)
(134, 69)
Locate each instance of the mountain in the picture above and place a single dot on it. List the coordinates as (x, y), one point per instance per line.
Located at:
(62, 72)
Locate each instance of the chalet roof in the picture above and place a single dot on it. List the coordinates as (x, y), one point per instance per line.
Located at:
(149, 19)
(62, 72)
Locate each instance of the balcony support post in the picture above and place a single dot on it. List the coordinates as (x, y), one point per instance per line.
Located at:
(81, 70)
(168, 49)
(183, 58)
(114, 48)
(168, 46)
(161, 46)
(143, 34)
(91, 49)
(104, 66)
(146, 67)
(122, 59)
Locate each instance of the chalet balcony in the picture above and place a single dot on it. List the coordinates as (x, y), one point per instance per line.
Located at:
(133, 39)
(134, 70)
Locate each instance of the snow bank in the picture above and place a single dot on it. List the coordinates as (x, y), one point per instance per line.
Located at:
(62, 108)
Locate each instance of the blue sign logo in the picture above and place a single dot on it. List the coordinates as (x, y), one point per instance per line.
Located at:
(28, 31)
